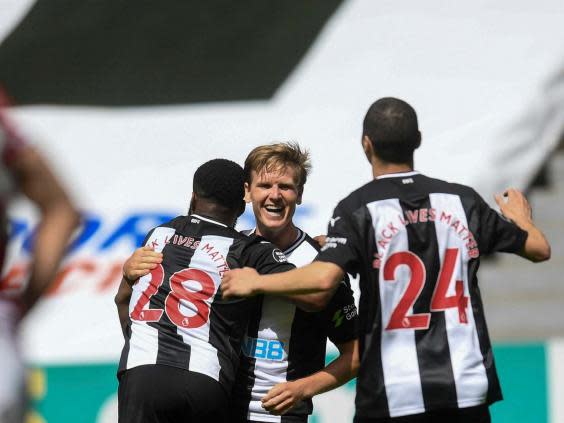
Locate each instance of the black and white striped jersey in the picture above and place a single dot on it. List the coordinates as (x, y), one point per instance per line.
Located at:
(416, 243)
(177, 315)
(285, 343)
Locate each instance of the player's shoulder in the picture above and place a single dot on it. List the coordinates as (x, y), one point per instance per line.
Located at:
(254, 247)
(440, 186)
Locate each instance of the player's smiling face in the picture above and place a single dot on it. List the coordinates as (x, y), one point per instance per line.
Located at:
(274, 196)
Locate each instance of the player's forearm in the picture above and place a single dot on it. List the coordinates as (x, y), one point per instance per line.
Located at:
(315, 277)
(53, 232)
(312, 302)
(536, 247)
(338, 372)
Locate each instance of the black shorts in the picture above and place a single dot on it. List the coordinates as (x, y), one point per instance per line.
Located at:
(165, 394)
(478, 414)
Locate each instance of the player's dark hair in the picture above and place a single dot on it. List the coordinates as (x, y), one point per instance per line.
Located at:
(391, 125)
(220, 181)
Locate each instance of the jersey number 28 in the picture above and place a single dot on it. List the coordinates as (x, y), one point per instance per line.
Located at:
(177, 292)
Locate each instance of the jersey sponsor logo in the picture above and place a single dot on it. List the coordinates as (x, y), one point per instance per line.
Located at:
(264, 349)
(346, 312)
(279, 256)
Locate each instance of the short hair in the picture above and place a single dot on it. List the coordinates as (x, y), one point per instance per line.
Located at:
(278, 156)
(391, 125)
(220, 181)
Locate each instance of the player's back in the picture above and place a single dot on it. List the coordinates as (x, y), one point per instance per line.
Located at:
(178, 317)
(424, 341)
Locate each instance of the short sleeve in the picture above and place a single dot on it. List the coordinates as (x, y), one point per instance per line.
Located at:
(496, 232)
(265, 258)
(342, 315)
(342, 246)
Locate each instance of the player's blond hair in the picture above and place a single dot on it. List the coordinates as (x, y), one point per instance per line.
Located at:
(276, 157)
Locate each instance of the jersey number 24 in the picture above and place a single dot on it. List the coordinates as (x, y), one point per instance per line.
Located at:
(439, 302)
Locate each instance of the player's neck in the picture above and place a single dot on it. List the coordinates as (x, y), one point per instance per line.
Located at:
(380, 167)
(282, 238)
(214, 213)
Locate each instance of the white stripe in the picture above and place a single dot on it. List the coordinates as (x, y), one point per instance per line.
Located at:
(556, 380)
(399, 353)
(203, 356)
(466, 358)
(144, 341)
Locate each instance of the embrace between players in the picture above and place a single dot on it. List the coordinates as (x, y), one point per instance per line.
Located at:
(198, 350)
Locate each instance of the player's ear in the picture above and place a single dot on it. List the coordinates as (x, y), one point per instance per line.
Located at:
(368, 148)
(247, 192)
(300, 194)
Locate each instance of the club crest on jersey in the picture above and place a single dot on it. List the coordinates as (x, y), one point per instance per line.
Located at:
(279, 256)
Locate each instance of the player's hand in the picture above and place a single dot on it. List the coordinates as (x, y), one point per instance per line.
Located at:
(239, 283)
(141, 262)
(320, 239)
(515, 207)
(282, 397)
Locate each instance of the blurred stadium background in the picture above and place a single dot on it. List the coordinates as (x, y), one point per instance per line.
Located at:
(127, 98)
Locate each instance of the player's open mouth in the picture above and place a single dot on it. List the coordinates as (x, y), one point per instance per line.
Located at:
(274, 210)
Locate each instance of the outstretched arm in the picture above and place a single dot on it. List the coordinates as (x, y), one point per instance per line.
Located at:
(315, 277)
(515, 207)
(282, 397)
(57, 222)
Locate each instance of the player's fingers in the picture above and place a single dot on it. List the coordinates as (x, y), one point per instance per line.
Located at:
(283, 407)
(275, 403)
(273, 392)
(499, 199)
(274, 400)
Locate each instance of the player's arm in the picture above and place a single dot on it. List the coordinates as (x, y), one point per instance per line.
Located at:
(282, 397)
(122, 299)
(58, 220)
(515, 207)
(315, 277)
(311, 302)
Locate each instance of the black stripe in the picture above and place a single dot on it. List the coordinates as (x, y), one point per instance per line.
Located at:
(371, 399)
(433, 353)
(245, 380)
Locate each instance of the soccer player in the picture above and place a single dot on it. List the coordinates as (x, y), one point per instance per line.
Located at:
(284, 350)
(23, 169)
(416, 243)
(182, 340)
